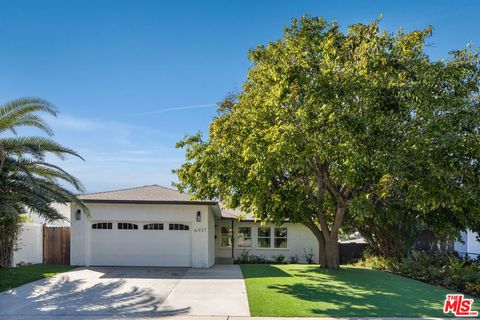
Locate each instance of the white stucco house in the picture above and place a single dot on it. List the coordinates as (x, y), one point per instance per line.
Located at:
(158, 226)
(470, 245)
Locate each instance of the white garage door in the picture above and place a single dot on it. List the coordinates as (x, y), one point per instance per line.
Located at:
(140, 244)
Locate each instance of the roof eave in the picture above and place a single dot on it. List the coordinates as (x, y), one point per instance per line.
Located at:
(205, 203)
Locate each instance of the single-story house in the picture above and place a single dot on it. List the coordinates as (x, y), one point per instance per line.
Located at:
(158, 226)
(470, 245)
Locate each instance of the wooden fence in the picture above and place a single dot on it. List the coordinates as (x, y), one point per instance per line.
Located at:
(56, 245)
(350, 252)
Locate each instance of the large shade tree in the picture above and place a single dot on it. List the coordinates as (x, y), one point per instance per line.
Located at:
(333, 128)
(28, 182)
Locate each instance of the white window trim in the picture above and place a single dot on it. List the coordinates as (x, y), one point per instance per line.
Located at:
(286, 238)
(237, 237)
(258, 238)
(221, 236)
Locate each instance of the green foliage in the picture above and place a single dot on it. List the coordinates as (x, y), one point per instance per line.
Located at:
(308, 255)
(10, 228)
(28, 183)
(246, 258)
(335, 129)
(294, 259)
(441, 269)
(279, 259)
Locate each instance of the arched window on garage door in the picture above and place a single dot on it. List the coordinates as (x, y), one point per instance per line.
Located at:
(153, 226)
(178, 226)
(102, 225)
(127, 226)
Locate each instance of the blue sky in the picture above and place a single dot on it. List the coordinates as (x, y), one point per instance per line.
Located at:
(133, 77)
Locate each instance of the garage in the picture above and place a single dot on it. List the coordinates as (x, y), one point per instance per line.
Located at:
(150, 226)
(140, 244)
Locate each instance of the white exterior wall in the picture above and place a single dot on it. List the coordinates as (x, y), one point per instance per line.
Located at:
(299, 238)
(29, 244)
(211, 238)
(81, 231)
(471, 245)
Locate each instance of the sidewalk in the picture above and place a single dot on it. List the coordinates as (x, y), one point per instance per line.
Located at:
(194, 318)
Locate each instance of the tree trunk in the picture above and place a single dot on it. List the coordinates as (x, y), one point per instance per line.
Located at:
(331, 251)
(322, 257)
(9, 231)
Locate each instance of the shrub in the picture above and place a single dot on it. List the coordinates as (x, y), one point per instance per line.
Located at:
(293, 259)
(246, 258)
(443, 269)
(243, 258)
(308, 256)
(279, 259)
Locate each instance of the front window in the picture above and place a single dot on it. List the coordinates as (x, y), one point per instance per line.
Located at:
(225, 237)
(264, 238)
(280, 240)
(244, 237)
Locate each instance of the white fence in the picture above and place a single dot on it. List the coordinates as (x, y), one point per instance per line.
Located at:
(29, 245)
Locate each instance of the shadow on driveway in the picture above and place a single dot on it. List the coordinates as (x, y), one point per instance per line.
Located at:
(68, 295)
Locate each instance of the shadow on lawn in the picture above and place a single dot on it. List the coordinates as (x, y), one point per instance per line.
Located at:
(64, 296)
(359, 292)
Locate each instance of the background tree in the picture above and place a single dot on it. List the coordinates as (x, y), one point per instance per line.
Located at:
(28, 183)
(331, 126)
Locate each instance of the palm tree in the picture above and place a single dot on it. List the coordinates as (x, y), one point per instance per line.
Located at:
(28, 183)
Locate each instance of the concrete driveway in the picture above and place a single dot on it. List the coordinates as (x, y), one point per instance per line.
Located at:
(131, 292)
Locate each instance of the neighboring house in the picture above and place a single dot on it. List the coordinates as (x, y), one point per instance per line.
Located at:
(158, 226)
(470, 245)
(29, 248)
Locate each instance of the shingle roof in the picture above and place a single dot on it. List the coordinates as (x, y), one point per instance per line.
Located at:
(145, 194)
(157, 194)
(235, 213)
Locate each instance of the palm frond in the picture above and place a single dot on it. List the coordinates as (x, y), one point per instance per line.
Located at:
(36, 147)
(13, 111)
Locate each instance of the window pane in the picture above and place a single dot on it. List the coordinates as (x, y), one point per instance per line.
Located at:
(264, 232)
(244, 242)
(226, 237)
(226, 242)
(244, 237)
(280, 232)
(280, 242)
(226, 231)
(244, 232)
(153, 226)
(264, 242)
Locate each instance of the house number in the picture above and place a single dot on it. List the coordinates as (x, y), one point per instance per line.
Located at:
(200, 229)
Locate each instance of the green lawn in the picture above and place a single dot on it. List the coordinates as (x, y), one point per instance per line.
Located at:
(14, 277)
(308, 291)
